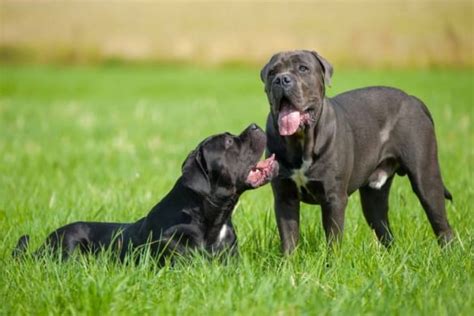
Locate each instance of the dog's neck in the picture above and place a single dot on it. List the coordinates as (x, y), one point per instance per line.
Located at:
(319, 134)
(310, 141)
(209, 210)
(215, 213)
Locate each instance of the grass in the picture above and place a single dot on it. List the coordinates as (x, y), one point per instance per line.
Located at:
(107, 143)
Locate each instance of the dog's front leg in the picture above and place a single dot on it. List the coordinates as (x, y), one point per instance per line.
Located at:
(287, 212)
(333, 211)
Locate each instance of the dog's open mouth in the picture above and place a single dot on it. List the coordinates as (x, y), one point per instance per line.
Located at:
(291, 119)
(263, 172)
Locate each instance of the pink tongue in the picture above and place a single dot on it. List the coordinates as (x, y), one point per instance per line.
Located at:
(288, 121)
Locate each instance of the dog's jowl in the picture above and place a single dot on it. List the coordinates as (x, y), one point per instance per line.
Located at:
(195, 214)
(329, 148)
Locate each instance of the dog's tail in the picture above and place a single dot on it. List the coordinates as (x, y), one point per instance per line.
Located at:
(447, 194)
(21, 246)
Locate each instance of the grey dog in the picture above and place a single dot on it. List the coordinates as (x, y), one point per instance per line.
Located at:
(328, 148)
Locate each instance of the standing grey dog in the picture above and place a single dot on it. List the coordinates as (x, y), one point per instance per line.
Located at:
(328, 148)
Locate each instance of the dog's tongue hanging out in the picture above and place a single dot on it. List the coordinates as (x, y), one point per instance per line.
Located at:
(289, 120)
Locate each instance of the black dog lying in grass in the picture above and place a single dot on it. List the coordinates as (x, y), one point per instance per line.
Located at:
(194, 215)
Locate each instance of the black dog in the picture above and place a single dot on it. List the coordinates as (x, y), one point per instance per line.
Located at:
(328, 148)
(195, 214)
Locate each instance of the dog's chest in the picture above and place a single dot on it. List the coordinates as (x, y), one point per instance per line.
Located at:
(223, 233)
(299, 175)
(310, 190)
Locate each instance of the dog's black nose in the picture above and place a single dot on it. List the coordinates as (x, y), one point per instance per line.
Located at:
(284, 80)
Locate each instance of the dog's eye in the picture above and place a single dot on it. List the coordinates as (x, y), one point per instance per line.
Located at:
(228, 142)
(271, 73)
(303, 68)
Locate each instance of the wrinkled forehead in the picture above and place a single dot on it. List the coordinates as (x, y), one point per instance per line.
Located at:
(211, 141)
(213, 149)
(214, 145)
(288, 59)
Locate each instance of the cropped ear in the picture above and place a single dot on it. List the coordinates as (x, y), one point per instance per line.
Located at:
(195, 174)
(327, 67)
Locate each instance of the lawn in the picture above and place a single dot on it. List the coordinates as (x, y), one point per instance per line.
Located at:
(106, 143)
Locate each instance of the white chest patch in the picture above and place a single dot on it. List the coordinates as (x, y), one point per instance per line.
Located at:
(223, 233)
(299, 175)
(225, 228)
(380, 181)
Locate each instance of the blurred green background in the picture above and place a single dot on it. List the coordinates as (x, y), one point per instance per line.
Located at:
(376, 33)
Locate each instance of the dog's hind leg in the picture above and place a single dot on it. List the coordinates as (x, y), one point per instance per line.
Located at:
(428, 186)
(64, 240)
(21, 246)
(375, 206)
(421, 164)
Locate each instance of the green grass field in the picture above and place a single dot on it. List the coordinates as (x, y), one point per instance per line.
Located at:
(107, 143)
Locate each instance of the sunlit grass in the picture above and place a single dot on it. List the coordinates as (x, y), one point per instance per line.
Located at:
(107, 143)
